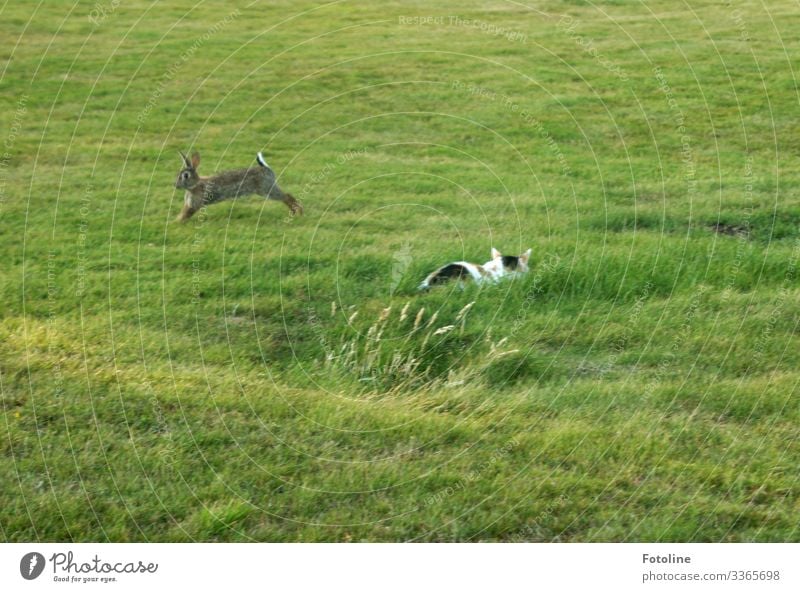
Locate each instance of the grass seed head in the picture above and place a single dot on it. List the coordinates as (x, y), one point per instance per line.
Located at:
(418, 318)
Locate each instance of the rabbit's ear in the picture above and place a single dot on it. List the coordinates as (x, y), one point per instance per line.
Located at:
(185, 159)
(496, 253)
(195, 160)
(526, 255)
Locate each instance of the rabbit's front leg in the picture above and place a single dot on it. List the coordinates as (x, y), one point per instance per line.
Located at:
(189, 208)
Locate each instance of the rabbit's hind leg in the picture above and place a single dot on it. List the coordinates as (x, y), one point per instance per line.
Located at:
(288, 199)
(293, 205)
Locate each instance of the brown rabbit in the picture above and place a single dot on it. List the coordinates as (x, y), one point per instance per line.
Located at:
(204, 191)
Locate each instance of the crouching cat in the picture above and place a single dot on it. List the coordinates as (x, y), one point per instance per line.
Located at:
(498, 267)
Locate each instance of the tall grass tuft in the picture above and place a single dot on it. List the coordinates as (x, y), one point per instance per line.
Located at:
(395, 353)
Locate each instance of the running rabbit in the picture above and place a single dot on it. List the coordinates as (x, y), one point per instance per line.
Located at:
(204, 191)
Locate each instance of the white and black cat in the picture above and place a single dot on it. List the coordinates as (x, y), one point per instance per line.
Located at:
(498, 267)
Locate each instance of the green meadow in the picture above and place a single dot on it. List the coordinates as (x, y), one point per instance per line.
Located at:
(249, 376)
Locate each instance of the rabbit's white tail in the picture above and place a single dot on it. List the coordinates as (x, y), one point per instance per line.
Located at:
(261, 161)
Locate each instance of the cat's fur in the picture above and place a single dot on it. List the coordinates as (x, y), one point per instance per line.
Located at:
(498, 267)
(204, 191)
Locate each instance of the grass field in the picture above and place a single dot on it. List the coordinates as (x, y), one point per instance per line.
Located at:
(248, 376)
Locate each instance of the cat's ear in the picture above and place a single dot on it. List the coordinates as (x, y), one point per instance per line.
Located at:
(525, 256)
(496, 254)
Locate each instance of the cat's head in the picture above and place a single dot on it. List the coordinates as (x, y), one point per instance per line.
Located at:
(511, 264)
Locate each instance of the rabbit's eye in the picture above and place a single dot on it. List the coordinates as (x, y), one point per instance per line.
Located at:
(185, 176)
